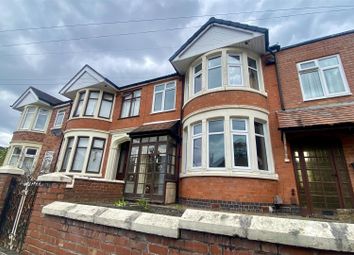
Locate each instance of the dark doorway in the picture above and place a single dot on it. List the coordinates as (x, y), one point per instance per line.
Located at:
(122, 161)
(322, 176)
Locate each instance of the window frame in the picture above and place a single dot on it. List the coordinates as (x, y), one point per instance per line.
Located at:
(242, 84)
(90, 151)
(62, 111)
(208, 142)
(131, 93)
(323, 81)
(37, 117)
(79, 112)
(195, 75)
(194, 137)
(214, 56)
(257, 70)
(163, 97)
(12, 154)
(66, 154)
(77, 141)
(243, 133)
(25, 155)
(100, 103)
(97, 102)
(264, 136)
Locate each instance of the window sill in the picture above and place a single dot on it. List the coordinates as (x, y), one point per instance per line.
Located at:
(91, 118)
(31, 130)
(129, 117)
(328, 97)
(241, 174)
(172, 110)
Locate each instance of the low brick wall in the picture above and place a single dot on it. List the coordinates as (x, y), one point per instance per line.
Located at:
(5, 180)
(57, 235)
(86, 190)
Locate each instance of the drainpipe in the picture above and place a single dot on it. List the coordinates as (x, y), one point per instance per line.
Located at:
(181, 141)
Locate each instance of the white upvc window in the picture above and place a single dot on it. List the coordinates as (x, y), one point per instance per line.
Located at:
(234, 70)
(322, 78)
(82, 154)
(262, 160)
(197, 145)
(164, 97)
(23, 157)
(131, 104)
(59, 119)
(197, 78)
(216, 143)
(41, 120)
(214, 72)
(28, 117)
(93, 104)
(240, 143)
(253, 73)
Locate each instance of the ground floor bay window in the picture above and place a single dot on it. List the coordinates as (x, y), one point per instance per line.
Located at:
(230, 142)
(23, 156)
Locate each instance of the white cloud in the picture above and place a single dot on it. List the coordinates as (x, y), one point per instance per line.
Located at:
(5, 139)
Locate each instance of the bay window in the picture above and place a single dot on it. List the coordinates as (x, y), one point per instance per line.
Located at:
(131, 104)
(197, 79)
(253, 73)
(28, 158)
(234, 70)
(23, 156)
(216, 143)
(214, 73)
(322, 78)
(82, 153)
(34, 118)
(15, 156)
(234, 142)
(93, 104)
(164, 97)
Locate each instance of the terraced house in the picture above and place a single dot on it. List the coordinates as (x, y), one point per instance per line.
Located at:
(241, 125)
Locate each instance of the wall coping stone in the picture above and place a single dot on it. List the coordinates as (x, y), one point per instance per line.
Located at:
(287, 231)
(54, 177)
(87, 178)
(155, 224)
(7, 169)
(295, 232)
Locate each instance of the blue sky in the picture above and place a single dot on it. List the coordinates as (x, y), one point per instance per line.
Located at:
(27, 60)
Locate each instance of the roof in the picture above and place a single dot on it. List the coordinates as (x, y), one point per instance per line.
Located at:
(169, 127)
(317, 39)
(324, 115)
(46, 97)
(212, 21)
(149, 80)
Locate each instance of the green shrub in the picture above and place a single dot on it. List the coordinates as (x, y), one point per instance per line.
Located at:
(120, 203)
(143, 203)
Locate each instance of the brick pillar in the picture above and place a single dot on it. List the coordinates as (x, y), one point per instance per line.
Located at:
(6, 175)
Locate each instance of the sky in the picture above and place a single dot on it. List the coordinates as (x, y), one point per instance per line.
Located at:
(44, 43)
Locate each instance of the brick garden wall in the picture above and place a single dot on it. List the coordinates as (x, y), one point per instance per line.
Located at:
(5, 181)
(55, 235)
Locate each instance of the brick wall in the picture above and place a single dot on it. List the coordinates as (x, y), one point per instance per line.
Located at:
(94, 191)
(5, 180)
(55, 235)
(22, 136)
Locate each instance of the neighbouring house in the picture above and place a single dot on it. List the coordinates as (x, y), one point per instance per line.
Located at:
(239, 126)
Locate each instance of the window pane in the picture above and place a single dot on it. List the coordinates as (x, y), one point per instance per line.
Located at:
(59, 119)
(125, 109)
(334, 80)
(31, 152)
(169, 99)
(253, 77)
(135, 107)
(98, 143)
(261, 153)
(79, 159)
(311, 85)
(328, 62)
(239, 125)
(198, 68)
(91, 104)
(234, 59)
(27, 163)
(252, 63)
(79, 104)
(197, 129)
(41, 120)
(197, 83)
(159, 88)
(240, 150)
(258, 128)
(213, 62)
(235, 76)
(197, 152)
(170, 85)
(158, 102)
(15, 156)
(105, 110)
(28, 117)
(214, 78)
(216, 126)
(83, 142)
(67, 154)
(307, 65)
(95, 160)
(216, 151)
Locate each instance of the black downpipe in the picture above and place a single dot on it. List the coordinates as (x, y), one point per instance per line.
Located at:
(280, 90)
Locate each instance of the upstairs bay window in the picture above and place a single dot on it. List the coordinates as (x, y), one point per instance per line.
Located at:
(34, 118)
(228, 68)
(164, 97)
(322, 78)
(131, 104)
(93, 104)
